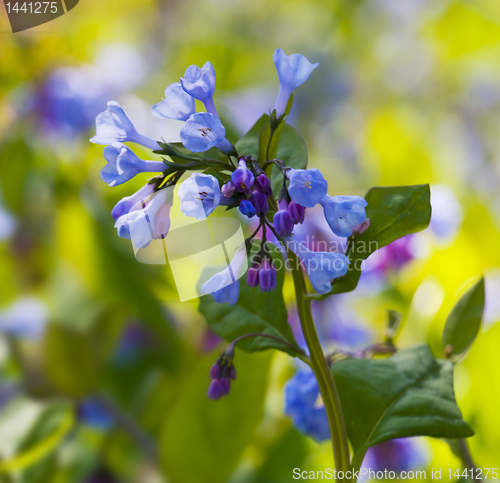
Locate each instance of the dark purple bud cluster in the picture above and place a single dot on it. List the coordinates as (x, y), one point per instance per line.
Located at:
(262, 272)
(221, 374)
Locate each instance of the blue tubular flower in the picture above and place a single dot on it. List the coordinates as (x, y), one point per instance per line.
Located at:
(247, 208)
(151, 222)
(283, 225)
(321, 267)
(303, 405)
(200, 195)
(26, 318)
(176, 105)
(293, 71)
(203, 131)
(132, 202)
(343, 213)
(259, 201)
(296, 213)
(200, 83)
(224, 286)
(242, 178)
(267, 276)
(123, 165)
(307, 186)
(113, 125)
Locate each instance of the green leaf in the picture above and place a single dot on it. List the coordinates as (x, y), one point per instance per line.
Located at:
(394, 212)
(248, 145)
(292, 151)
(407, 394)
(464, 321)
(214, 433)
(254, 312)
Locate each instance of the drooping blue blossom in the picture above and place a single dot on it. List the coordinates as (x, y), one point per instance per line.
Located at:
(199, 82)
(124, 164)
(343, 213)
(293, 71)
(263, 184)
(296, 213)
(203, 131)
(177, 104)
(259, 201)
(304, 406)
(200, 195)
(114, 126)
(151, 222)
(221, 373)
(283, 225)
(25, 318)
(321, 267)
(93, 413)
(247, 208)
(267, 276)
(307, 186)
(242, 178)
(253, 275)
(132, 202)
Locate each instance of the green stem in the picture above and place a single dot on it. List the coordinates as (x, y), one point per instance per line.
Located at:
(465, 456)
(321, 370)
(357, 461)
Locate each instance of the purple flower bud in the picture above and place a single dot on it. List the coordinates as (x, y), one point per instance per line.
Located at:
(283, 225)
(232, 373)
(263, 184)
(259, 201)
(214, 391)
(242, 178)
(224, 386)
(228, 189)
(296, 212)
(247, 208)
(253, 276)
(267, 276)
(362, 227)
(215, 370)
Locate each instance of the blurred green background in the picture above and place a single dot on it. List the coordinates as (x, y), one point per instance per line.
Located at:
(407, 92)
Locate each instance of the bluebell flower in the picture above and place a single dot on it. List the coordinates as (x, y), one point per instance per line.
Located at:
(132, 202)
(321, 267)
(113, 125)
(93, 413)
(177, 104)
(267, 276)
(307, 186)
(203, 131)
(151, 222)
(304, 406)
(293, 71)
(259, 201)
(283, 225)
(343, 213)
(200, 83)
(247, 208)
(26, 318)
(242, 178)
(200, 195)
(123, 165)
(405, 454)
(296, 212)
(224, 286)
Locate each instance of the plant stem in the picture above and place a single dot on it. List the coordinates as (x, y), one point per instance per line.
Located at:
(466, 457)
(321, 370)
(357, 461)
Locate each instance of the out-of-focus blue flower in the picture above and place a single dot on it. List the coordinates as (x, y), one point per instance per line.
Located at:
(293, 71)
(7, 224)
(321, 267)
(151, 222)
(123, 165)
(177, 104)
(224, 286)
(247, 208)
(203, 131)
(304, 406)
(113, 125)
(26, 318)
(307, 186)
(200, 83)
(406, 454)
(199, 195)
(343, 213)
(93, 413)
(447, 213)
(242, 178)
(132, 202)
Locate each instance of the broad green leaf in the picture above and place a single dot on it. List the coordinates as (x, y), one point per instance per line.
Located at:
(394, 212)
(407, 394)
(203, 440)
(254, 312)
(248, 145)
(292, 151)
(464, 321)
